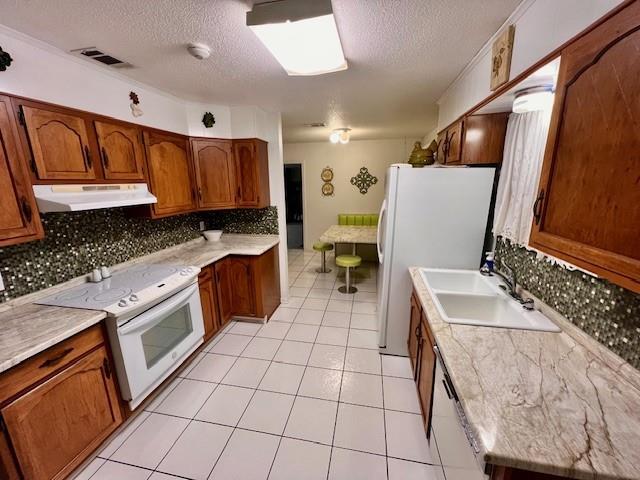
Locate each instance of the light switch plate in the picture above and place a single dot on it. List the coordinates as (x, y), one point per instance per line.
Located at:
(1, 282)
(202, 226)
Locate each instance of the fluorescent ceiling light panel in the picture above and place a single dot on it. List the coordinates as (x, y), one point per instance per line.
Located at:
(533, 99)
(302, 36)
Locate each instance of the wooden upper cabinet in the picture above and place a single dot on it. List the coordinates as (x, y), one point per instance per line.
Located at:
(215, 173)
(483, 138)
(58, 424)
(59, 144)
(454, 143)
(170, 175)
(252, 172)
(121, 151)
(588, 205)
(450, 144)
(19, 218)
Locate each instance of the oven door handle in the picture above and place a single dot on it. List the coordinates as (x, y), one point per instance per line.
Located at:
(155, 314)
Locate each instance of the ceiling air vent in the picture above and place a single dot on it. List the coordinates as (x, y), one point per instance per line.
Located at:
(97, 55)
(315, 124)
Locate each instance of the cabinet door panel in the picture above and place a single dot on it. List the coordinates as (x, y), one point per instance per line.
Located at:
(483, 138)
(454, 143)
(589, 207)
(414, 333)
(223, 289)
(247, 172)
(59, 144)
(121, 151)
(427, 373)
(243, 295)
(215, 173)
(169, 173)
(19, 219)
(54, 425)
(208, 299)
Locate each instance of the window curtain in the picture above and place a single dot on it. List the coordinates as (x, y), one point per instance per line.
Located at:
(524, 146)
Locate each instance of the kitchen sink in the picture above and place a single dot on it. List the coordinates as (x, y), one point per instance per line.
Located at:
(463, 281)
(469, 298)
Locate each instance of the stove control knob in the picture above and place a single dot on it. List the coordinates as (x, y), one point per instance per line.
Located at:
(122, 303)
(189, 269)
(133, 298)
(183, 272)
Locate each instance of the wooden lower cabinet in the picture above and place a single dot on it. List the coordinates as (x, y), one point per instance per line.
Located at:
(209, 301)
(248, 285)
(414, 334)
(52, 427)
(423, 358)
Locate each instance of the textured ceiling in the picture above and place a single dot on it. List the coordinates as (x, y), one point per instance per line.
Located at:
(402, 55)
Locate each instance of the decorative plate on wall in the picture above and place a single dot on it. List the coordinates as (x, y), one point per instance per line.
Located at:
(327, 174)
(364, 180)
(327, 189)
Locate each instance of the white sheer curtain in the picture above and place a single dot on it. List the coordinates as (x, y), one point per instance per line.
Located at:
(521, 164)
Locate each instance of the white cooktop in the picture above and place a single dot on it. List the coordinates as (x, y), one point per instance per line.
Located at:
(125, 291)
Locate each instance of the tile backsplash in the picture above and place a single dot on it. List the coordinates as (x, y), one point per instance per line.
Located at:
(607, 312)
(76, 242)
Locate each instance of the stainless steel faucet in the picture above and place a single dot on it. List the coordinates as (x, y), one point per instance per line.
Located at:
(511, 284)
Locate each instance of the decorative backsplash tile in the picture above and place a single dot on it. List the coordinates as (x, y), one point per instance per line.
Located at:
(607, 312)
(76, 242)
(263, 221)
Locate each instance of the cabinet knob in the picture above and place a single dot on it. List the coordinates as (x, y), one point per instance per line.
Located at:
(105, 159)
(537, 207)
(87, 157)
(26, 209)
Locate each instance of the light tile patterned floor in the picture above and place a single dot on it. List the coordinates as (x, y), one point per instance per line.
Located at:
(306, 396)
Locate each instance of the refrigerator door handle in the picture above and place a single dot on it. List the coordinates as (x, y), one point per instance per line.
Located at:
(383, 209)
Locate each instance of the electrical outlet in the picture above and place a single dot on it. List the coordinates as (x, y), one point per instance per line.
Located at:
(1, 283)
(202, 226)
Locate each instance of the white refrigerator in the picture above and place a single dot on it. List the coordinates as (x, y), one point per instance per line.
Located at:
(430, 217)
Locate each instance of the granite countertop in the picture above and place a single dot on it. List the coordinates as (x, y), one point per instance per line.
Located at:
(27, 329)
(554, 403)
(349, 234)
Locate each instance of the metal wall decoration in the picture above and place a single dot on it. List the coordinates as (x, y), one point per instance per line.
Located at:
(208, 120)
(136, 111)
(364, 180)
(327, 175)
(5, 60)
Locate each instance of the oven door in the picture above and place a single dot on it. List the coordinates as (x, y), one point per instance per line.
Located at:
(156, 342)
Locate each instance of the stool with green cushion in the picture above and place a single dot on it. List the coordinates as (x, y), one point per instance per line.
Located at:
(348, 262)
(323, 247)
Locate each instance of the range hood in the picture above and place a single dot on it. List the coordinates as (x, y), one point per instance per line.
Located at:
(73, 198)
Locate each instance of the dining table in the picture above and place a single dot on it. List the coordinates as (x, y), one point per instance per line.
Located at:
(353, 234)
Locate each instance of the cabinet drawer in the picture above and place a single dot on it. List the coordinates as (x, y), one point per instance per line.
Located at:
(39, 367)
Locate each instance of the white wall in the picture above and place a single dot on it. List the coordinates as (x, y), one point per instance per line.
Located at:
(46, 73)
(541, 27)
(320, 212)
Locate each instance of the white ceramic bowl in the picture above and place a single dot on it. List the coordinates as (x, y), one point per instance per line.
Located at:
(212, 235)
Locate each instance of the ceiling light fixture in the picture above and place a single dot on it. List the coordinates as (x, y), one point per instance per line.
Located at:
(301, 34)
(533, 99)
(340, 135)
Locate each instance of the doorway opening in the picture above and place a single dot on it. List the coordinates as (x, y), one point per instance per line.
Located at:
(293, 203)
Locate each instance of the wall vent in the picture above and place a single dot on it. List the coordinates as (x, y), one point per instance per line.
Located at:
(98, 55)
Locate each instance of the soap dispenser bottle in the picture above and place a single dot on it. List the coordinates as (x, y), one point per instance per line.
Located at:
(487, 268)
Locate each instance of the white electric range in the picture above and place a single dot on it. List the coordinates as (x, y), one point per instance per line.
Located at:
(154, 321)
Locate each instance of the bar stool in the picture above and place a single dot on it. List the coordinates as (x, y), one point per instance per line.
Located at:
(348, 262)
(323, 247)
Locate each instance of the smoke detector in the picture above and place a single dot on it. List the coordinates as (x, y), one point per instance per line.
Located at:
(199, 50)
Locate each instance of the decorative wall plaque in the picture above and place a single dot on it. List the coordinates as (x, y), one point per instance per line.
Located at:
(327, 174)
(501, 57)
(327, 189)
(363, 180)
(5, 60)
